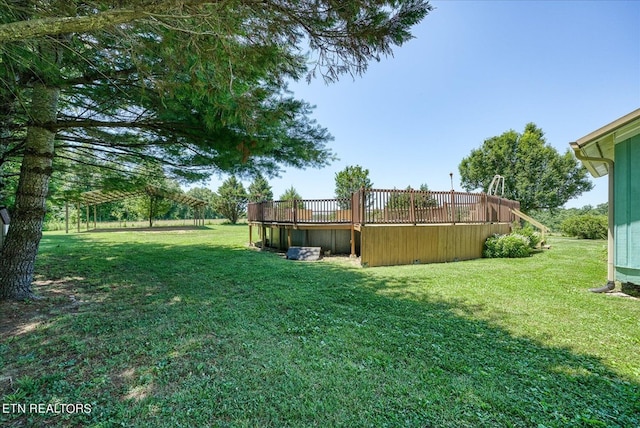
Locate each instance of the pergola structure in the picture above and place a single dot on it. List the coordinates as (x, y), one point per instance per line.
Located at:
(97, 197)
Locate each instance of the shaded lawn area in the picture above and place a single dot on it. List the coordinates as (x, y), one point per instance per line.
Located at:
(194, 329)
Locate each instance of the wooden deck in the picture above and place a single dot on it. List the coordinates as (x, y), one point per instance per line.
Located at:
(386, 227)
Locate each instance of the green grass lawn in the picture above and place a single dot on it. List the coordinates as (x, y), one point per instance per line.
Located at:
(170, 329)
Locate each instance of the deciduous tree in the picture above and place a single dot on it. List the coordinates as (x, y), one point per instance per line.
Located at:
(534, 172)
(351, 179)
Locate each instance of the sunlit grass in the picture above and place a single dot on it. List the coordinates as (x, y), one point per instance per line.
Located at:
(194, 329)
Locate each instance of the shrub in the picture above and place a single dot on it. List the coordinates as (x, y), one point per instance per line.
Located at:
(533, 237)
(511, 246)
(491, 246)
(586, 226)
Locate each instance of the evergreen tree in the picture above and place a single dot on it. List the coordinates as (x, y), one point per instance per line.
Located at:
(290, 195)
(260, 190)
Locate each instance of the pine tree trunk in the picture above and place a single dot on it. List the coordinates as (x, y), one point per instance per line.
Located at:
(20, 248)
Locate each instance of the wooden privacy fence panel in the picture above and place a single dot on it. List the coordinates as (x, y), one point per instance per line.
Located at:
(380, 206)
(388, 245)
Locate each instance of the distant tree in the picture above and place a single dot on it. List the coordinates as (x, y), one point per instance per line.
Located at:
(421, 198)
(554, 219)
(350, 180)
(206, 195)
(153, 205)
(231, 200)
(399, 199)
(535, 174)
(424, 199)
(602, 209)
(290, 195)
(260, 190)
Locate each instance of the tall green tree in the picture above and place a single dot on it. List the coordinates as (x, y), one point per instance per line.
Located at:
(290, 195)
(198, 86)
(231, 200)
(351, 179)
(260, 190)
(535, 174)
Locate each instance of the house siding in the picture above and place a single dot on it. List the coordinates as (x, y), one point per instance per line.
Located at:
(627, 210)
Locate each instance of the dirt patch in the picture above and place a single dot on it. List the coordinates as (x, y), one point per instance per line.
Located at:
(56, 297)
(178, 229)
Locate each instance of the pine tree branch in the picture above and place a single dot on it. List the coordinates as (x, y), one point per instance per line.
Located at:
(28, 29)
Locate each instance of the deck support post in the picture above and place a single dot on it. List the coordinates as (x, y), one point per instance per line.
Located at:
(353, 240)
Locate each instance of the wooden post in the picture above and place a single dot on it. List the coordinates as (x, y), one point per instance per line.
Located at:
(250, 235)
(353, 241)
(486, 208)
(66, 216)
(453, 207)
(360, 206)
(95, 222)
(79, 211)
(295, 213)
(87, 209)
(412, 210)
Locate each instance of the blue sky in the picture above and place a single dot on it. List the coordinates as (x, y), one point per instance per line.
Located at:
(475, 70)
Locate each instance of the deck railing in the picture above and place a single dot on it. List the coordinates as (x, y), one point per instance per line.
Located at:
(301, 211)
(380, 206)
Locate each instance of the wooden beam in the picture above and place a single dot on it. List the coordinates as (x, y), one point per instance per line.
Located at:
(353, 240)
